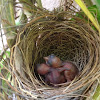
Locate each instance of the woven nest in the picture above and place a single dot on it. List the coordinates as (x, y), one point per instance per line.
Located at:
(69, 38)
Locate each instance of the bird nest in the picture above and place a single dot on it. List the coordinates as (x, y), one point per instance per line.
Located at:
(68, 37)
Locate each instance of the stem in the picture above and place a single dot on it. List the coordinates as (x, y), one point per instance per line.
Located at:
(7, 19)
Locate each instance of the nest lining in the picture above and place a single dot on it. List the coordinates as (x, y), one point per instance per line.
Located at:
(69, 40)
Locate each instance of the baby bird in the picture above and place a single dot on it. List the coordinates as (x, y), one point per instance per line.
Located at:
(54, 77)
(53, 61)
(70, 70)
(42, 69)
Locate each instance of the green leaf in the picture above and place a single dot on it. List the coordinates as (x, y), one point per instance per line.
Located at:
(88, 2)
(8, 53)
(97, 93)
(88, 14)
(98, 4)
(95, 12)
(1, 65)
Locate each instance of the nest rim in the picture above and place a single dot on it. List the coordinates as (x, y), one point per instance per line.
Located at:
(89, 37)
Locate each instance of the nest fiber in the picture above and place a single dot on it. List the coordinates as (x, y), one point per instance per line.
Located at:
(68, 37)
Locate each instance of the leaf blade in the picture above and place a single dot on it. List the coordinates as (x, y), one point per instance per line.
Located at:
(89, 15)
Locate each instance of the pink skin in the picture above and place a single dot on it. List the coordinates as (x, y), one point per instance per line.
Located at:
(53, 61)
(69, 69)
(43, 69)
(54, 77)
(57, 72)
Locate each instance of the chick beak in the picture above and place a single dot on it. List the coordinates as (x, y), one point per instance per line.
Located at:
(46, 58)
